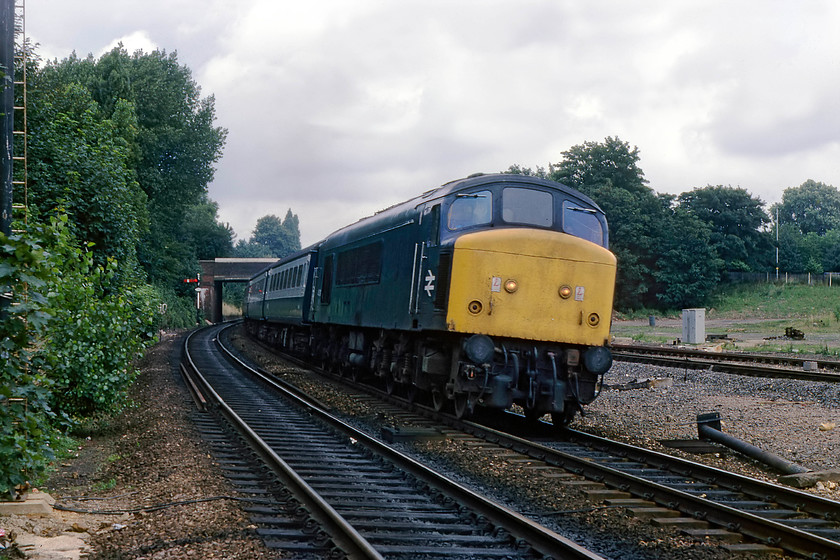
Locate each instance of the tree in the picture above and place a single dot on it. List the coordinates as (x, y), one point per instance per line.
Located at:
(593, 163)
(813, 207)
(608, 172)
(79, 164)
(516, 169)
(174, 148)
(203, 231)
(688, 267)
(737, 222)
(272, 237)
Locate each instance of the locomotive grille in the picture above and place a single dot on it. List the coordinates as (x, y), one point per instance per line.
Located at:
(444, 272)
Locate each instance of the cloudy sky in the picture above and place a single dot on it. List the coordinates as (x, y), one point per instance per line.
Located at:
(338, 108)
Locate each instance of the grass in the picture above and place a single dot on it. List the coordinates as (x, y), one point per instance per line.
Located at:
(103, 485)
(777, 301)
(751, 309)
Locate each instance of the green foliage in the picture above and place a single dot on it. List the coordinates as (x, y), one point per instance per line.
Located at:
(180, 310)
(80, 166)
(519, 170)
(25, 415)
(96, 331)
(164, 135)
(608, 172)
(737, 223)
(812, 207)
(594, 163)
(686, 278)
(272, 237)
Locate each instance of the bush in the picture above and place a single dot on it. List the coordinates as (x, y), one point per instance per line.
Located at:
(98, 328)
(25, 415)
(70, 334)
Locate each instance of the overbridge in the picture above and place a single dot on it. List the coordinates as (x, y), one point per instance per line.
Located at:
(215, 273)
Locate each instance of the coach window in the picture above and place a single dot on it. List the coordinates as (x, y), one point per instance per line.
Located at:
(583, 222)
(470, 209)
(527, 206)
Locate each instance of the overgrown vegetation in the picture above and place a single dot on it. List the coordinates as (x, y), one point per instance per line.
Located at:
(120, 154)
(70, 336)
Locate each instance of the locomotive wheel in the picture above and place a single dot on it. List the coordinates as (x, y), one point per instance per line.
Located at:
(390, 384)
(562, 419)
(438, 399)
(412, 392)
(463, 408)
(532, 417)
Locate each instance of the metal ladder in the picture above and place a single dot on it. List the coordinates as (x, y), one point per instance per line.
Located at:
(20, 154)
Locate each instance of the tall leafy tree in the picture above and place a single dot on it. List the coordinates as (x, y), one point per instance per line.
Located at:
(272, 237)
(205, 233)
(609, 173)
(737, 221)
(688, 266)
(597, 163)
(175, 148)
(812, 207)
(80, 165)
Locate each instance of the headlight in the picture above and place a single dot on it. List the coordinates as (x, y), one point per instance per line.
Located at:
(479, 348)
(597, 359)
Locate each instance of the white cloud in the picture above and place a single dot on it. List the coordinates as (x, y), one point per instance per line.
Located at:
(133, 42)
(340, 108)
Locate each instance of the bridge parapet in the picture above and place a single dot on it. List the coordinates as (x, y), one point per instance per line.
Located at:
(214, 274)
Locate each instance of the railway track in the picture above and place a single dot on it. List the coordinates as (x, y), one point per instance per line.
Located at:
(700, 501)
(339, 492)
(741, 363)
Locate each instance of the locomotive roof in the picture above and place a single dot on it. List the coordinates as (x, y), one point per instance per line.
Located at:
(402, 212)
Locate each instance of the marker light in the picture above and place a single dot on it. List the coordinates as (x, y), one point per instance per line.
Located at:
(475, 307)
(565, 292)
(511, 286)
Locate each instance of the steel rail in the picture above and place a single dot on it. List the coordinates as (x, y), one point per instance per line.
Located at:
(729, 362)
(762, 529)
(789, 497)
(343, 533)
(542, 539)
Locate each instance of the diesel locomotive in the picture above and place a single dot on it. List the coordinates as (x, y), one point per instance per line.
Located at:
(487, 291)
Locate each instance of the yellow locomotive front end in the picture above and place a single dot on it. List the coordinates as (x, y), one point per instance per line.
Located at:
(532, 284)
(532, 308)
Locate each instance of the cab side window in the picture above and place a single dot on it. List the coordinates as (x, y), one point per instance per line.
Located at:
(470, 209)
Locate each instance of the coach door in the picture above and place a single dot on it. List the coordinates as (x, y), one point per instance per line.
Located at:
(425, 269)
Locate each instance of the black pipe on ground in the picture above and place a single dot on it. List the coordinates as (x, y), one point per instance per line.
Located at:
(709, 427)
